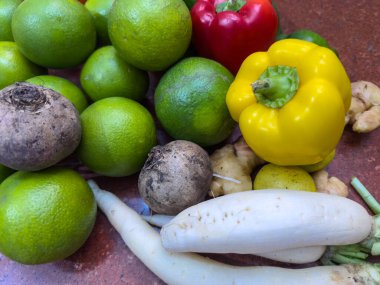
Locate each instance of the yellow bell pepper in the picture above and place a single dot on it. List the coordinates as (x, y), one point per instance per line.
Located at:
(291, 102)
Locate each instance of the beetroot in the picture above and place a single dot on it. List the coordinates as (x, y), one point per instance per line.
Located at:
(175, 176)
(38, 127)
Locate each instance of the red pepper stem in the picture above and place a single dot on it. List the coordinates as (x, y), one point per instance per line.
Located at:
(276, 86)
(230, 5)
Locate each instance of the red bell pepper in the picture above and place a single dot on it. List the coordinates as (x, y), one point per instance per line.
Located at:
(229, 31)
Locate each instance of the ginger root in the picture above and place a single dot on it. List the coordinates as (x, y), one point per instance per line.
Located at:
(330, 185)
(364, 112)
(232, 166)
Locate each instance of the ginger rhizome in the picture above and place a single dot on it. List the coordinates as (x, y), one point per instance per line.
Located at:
(330, 185)
(232, 166)
(364, 112)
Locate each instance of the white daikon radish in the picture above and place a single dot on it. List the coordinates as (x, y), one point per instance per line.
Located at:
(157, 220)
(292, 255)
(267, 221)
(190, 269)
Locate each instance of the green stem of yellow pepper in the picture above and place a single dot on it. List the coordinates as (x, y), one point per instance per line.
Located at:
(276, 86)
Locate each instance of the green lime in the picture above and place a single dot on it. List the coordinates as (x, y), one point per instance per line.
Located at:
(7, 7)
(150, 34)
(45, 216)
(117, 135)
(190, 3)
(14, 66)
(5, 172)
(311, 36)
(106, 74)
(99, 10)
(190, 101)
(320, 165)
(64, 87)
(272, 176)
(54, 33)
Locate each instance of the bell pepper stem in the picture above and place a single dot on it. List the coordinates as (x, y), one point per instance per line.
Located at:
(260, 85)
(276, 86)
(272, 87)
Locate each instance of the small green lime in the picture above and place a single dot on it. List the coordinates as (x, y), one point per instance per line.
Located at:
(64, 87)
(190, 101)
(106, 74)
(320, 165)
(272, 176)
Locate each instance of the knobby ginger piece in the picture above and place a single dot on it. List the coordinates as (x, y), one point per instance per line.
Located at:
(330, 185)
(364, 112)
(368, 120)
(232, 167)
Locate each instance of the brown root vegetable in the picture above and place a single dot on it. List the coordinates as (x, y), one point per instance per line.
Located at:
(175, 176)
(38, 127)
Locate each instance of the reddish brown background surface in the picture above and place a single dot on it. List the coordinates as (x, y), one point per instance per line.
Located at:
(352, 27)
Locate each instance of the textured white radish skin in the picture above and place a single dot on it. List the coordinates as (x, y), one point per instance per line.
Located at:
(267, 221)
(293, 255)
(190, 269)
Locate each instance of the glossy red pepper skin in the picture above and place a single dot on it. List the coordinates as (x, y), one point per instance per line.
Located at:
(229, 37)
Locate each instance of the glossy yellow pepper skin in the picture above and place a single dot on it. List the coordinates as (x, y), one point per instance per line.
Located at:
(307, 127)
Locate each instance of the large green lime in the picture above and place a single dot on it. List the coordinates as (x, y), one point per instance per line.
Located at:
(117, 135)
(190, 101)
(45, 215)
(150, 34)
(54, 33)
